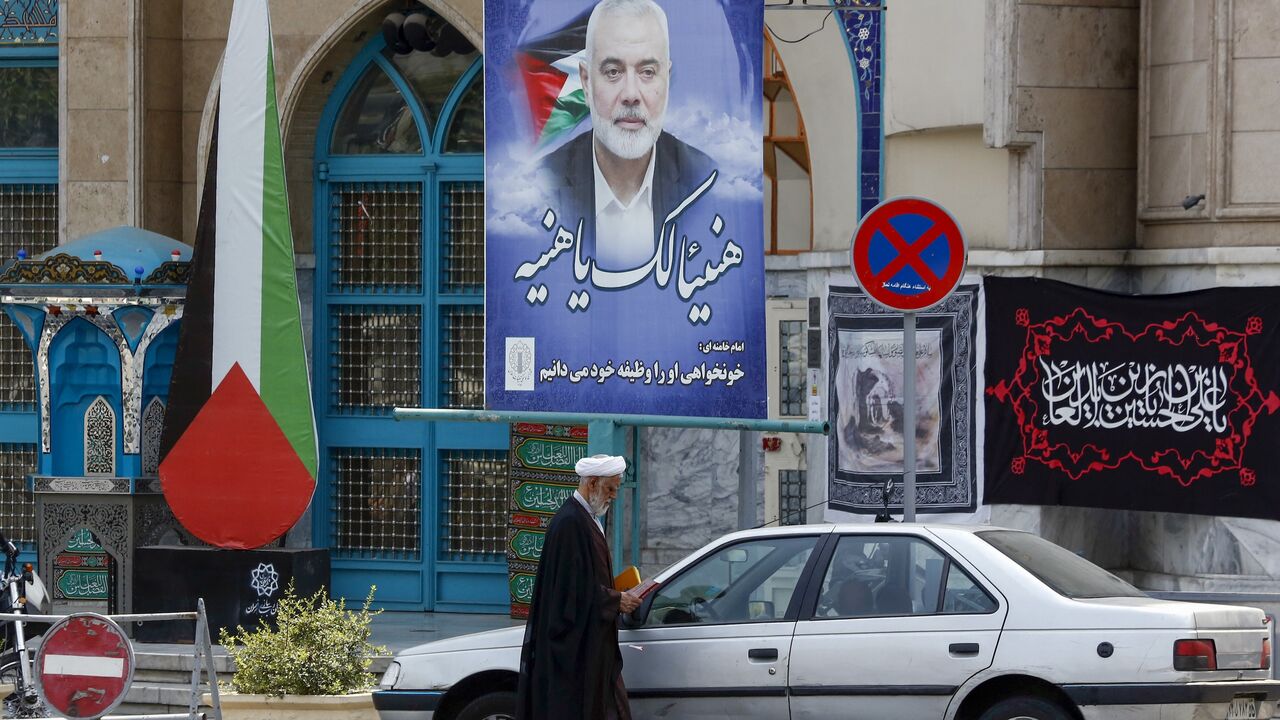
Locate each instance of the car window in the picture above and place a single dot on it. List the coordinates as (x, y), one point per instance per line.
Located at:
(750, 581)
(963, 595)
(1063, 571)
(878, 576)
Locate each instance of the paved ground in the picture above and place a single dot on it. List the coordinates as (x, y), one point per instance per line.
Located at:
(395, 630)
(399, 630)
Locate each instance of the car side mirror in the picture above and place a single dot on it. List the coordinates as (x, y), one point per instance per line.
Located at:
(760, 609)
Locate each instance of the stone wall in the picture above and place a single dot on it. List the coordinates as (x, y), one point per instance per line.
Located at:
(138, 93)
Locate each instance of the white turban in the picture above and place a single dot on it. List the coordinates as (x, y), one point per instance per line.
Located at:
(600, 466)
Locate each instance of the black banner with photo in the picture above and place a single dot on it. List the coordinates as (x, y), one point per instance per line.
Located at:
(1149, 402)
(864, 447)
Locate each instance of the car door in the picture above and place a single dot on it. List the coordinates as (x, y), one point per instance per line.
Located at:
(716, 638)
(893, 630)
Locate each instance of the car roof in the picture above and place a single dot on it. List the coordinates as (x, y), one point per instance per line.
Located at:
(891, 528)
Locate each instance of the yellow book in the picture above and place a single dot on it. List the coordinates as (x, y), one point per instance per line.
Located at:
(627, 579)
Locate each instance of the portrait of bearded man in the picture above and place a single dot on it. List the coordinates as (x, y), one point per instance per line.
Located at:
(623, 177)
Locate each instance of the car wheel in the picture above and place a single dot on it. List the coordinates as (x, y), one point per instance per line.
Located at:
(494, 706)
(1025, 708)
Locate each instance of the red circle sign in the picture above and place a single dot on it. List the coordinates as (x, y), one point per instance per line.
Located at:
(908, 254)
(84, 666)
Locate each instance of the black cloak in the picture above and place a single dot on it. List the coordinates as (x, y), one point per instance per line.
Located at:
(570, 666)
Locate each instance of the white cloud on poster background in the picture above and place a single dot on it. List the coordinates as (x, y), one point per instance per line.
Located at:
(735, 144)
(517, 210)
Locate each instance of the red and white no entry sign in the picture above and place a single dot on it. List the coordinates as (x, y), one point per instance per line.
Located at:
(908, 254)
(84, 667)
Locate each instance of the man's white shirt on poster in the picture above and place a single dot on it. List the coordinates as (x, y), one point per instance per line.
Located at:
(624, 232)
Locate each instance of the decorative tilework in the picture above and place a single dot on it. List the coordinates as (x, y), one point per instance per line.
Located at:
(28, 21)
(862, 31)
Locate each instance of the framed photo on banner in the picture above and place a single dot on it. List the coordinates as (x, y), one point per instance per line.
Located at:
(865, 444)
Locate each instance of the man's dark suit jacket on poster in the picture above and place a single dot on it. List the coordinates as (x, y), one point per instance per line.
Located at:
(679, 169)
(570, 666)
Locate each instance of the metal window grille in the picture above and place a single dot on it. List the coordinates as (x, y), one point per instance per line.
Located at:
(28, 221)
(473, 504)
(376, 356)
(376, 511)
(791, 497)
(462, 365)
(17, 506)
(462, 237)
(791, 381)
(28, 218)
(376, 241)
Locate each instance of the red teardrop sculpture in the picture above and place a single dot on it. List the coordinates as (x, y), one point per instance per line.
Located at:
(233, 479)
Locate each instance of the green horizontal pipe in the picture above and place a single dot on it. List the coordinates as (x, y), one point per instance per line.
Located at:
(567, 418)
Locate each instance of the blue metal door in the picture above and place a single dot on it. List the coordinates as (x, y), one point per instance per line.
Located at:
(417, 509)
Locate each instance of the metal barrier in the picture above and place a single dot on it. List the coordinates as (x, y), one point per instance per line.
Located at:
(202, 651)
(1269, 603)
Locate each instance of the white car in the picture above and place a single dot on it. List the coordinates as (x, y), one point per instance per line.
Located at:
(886, 621)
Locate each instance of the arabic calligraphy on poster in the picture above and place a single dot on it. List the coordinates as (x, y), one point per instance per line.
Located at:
(624, 243)
(541, 472)
(1133, 394)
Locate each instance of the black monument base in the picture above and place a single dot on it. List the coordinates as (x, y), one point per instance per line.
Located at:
(239, 587)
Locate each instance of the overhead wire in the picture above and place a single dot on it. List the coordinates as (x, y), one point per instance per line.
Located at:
(821, 27)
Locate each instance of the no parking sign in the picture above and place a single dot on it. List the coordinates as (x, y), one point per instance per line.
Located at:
(908, 254)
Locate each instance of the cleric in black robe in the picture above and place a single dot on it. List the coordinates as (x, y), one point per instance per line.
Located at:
(570, 667)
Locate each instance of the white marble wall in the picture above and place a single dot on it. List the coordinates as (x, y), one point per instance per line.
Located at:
(691, 491)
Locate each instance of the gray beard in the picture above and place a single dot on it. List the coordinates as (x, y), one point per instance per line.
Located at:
(598, 508)
(626, 144)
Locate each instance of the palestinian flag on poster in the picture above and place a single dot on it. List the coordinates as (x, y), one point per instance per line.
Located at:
(238, 460)
(549, 68)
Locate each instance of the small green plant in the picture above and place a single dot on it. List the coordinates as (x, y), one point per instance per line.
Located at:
(319, 647)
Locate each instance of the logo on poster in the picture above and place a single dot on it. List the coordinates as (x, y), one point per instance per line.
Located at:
(519, 363)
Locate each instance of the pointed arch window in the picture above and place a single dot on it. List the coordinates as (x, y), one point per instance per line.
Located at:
(788, 193)
(100, 438)
(466, 131)
(376, 119)
(430, 78)
(152, 425)
(400, 309)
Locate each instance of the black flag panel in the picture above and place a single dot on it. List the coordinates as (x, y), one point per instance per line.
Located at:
(1155, 402)
(192, 380)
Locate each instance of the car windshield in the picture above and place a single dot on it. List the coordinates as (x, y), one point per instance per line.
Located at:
(1065, 572)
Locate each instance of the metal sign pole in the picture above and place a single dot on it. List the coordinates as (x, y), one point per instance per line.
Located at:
(908, 417)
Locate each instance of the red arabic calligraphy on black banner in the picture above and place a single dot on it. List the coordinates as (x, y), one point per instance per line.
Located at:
(1134, 402)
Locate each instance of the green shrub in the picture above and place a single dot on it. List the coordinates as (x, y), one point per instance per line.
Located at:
(318, 648)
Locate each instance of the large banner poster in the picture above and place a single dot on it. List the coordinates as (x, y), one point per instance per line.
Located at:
(865, 445)
(624, 206)
(1155, 402)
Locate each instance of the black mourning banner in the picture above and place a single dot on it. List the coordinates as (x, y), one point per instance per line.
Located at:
(865, 445)
(1149, 402)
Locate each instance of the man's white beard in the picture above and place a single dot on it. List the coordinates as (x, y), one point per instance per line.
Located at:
(598, 506)
(626, 144)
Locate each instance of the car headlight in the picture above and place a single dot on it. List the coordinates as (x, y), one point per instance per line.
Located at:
(391, 676)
